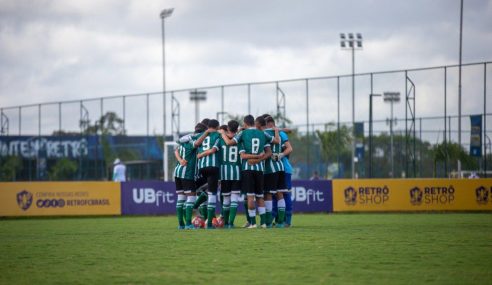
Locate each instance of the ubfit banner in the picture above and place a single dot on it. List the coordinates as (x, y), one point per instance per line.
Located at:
(159, 198)
(412, 195)
(59, 198)
(311, 196)
(148, 198)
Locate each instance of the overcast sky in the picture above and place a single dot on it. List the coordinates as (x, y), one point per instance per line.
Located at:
(73, 49)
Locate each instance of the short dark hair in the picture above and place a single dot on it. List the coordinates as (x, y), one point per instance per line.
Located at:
(213, 123)
(233, 125)
(200, 128)
(249, 120)
(265, 116)
(269, 120)
(261, 121)
(205, 121)
(223, 127)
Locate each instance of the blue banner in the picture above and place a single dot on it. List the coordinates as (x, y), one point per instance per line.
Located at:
(476, 135)
(74, 147)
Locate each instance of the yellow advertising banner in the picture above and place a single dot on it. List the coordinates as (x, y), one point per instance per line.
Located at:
(60, 198)
(412, 195)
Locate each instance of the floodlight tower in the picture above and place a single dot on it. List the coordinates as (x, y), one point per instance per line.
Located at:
(349, 42)
(164, 14)
(391, 97)
(197, 96)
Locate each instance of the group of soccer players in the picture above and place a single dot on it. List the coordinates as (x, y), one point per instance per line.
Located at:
(247, 164)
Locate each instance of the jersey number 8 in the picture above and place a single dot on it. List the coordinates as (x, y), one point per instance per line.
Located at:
(255, 145)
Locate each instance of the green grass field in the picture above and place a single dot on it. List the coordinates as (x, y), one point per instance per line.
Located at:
(319, 249)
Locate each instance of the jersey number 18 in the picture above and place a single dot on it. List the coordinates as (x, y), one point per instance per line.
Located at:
(232, 153)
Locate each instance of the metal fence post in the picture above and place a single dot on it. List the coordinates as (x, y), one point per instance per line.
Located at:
(249, 98)
(338, 127)
(485, 118)
(307, 128)
(445, 123)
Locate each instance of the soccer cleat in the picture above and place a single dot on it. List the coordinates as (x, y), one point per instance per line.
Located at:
(210, 227)
(246, 225)
(269, 226)
(280, 226)
(190, 227)
(287, 225)
(252, 227)
(263, 226)
(181, 227)
(230, 227)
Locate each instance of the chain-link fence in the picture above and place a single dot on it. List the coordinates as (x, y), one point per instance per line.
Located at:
(421, 138)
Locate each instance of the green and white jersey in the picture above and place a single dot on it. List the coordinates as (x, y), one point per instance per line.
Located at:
(230, 162)
(211, 141)
(253, 141)
(188, 153)
(272, 166)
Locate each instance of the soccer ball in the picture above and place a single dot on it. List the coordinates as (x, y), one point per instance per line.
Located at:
(198, 222)
(218, 222)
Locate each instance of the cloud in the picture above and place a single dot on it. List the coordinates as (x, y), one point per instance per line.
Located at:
(64, 50)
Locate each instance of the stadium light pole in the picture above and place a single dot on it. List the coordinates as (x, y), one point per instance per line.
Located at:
(163, 15)
(391, 97)
(197, 96)
(459, 81)
(349, 42)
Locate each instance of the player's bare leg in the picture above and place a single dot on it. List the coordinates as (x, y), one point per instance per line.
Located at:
(261, 210)
(251, 210)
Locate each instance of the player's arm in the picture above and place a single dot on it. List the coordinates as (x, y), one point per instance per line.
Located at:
(276, 138)
(181, 161)
(206, 153)
(227, 140)
(185, 139)
(245, 155)
(263, 156)
(200, 140)
(286, 150)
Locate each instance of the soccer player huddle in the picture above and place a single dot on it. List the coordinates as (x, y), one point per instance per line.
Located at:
(248, 164)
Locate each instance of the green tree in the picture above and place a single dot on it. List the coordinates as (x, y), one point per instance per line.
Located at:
(108, 124)
(64, 169)
(10, 168)
(335, 143)
(452, 152)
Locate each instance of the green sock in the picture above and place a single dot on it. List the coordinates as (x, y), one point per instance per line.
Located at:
(222, 210)
(210, 214)
(252, 220)
(232, 214)
(281, 211)
(180, 212)
(188, 213)
(202, 198)
(269, 218)
(281, 215)
(203, 211)
(262, 219)
(225, 215)
(246, 211)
